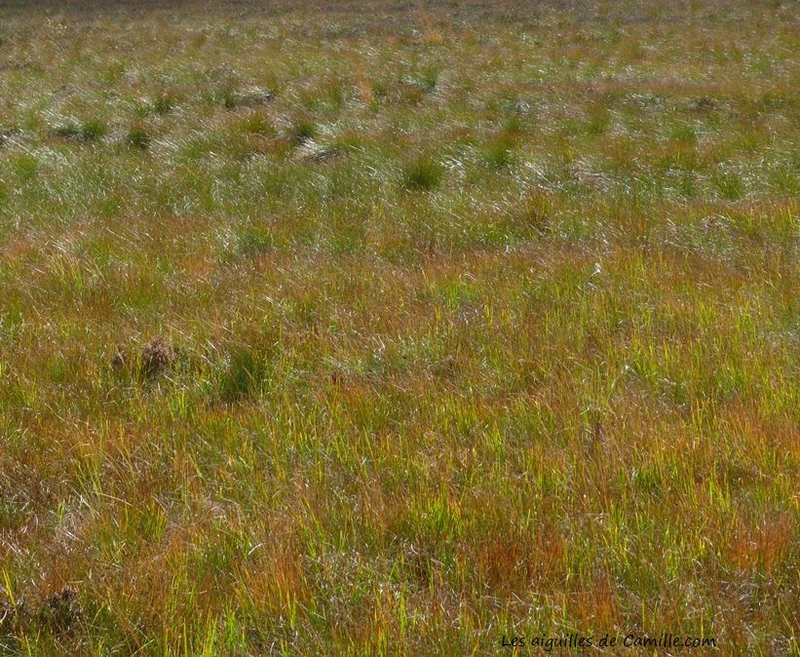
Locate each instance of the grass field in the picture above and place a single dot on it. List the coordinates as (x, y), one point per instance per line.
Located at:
(398, 328)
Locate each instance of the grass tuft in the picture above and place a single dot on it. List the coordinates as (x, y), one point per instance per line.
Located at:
(257, 123)
(138, 138)
(422, 174)
(499, 153)
(61, 612)
(160, 105)
(254, 241)
(244, 375)
(90, 130)
(302, 131)
(157, 357)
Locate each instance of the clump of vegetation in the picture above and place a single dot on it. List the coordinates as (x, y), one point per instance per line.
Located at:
(155, 358)
(68, 130)
(244, 374)
(423, 174)
(499, 152)
(427, 78)
(533, 212)
(234, 98)
(24, 166)
(257, 123)
(703, 104)
(61, 611)
(380, 88)
(138, 137)
(229, 99)
(302, 130)
(160, 104)
(89, 130)
(59, 615)
(254, 240)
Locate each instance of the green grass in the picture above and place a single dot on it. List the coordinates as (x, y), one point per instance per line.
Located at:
(398, 329)
(90, 130)
(138, 138)
(423, 174)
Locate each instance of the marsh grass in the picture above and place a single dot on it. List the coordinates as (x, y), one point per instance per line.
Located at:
(89, 130)
(302, 130)
(160, 104)
(423, 173)
(254, 240)
(389, 329)
(499, 153)
(138, 137)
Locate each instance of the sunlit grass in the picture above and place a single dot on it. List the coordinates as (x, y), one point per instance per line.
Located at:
(396, 330)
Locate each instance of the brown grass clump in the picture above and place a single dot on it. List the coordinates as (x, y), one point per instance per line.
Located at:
(9, 618)
(157, 356)
(154, 358)
(431, 33)
(364, 87)
(61, 612)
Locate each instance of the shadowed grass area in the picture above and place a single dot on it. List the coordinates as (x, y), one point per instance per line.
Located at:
(396, 328)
